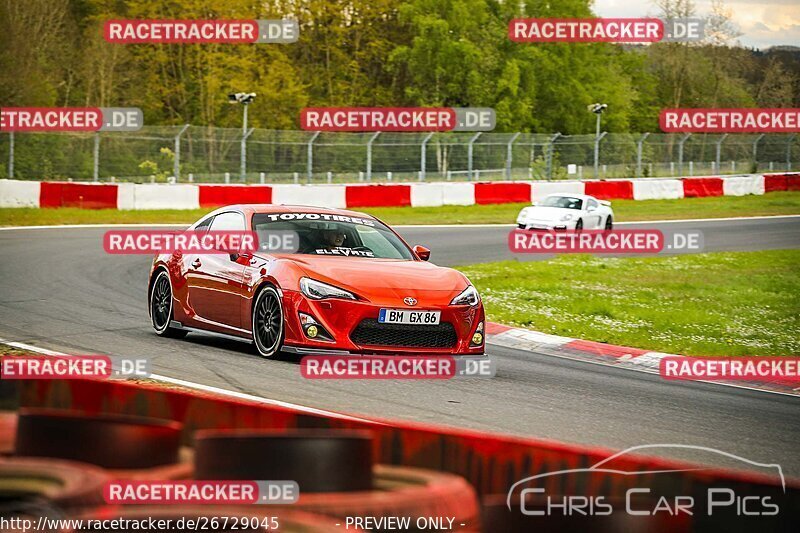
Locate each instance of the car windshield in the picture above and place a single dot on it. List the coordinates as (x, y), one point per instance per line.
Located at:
(332, 235)
(566, 202)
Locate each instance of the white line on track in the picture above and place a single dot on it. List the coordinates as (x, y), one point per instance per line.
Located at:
(213, 390)
(724, 219)
(78, 226)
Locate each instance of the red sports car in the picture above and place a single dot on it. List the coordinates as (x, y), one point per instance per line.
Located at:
(341, 282)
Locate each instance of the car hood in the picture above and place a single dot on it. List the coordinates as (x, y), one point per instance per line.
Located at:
(370, 276)
(549, 213)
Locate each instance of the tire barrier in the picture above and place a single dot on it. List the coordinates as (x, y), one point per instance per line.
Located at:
(8, 430)
(485, 463)
(319, 461)
(378, 195)
(702, 187)
(610, 190)
(82, 195)
(219, 195)
(657, 189)
(335, 473)
(108, 441)
(502, 193)
(16, 193)
(53, 483)
(403, 492)
(781, 182)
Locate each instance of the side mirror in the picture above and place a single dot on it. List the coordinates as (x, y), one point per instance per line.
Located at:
(422, 252)
(242, 257)
(591, 208)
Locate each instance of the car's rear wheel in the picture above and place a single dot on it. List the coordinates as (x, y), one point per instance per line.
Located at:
(579, 225)
(161, 307)
(609, 223)
(268, 322)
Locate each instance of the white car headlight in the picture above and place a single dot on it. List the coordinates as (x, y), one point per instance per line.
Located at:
(566, 217)
(468, 296)
(316, 290)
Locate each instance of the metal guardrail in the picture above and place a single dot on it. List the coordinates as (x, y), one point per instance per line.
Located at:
(201, 154)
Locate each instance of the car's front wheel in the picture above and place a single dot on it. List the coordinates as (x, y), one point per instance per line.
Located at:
(161, 307)
(268, 322)
(579, 225)
(609, 223)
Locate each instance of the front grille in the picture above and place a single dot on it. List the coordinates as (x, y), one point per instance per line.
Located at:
(370, 332)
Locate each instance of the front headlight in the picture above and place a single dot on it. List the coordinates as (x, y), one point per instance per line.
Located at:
(468, 296)
(316, 290)
(566, 217)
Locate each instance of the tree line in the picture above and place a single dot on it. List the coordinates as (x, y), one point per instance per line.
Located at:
(380, 53)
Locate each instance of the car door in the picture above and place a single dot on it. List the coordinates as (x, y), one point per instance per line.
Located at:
(594, 214)
(216, 282)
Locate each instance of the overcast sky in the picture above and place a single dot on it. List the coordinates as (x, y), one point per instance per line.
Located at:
(763, 23)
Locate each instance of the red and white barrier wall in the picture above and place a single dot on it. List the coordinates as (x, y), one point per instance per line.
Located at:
(355, 196)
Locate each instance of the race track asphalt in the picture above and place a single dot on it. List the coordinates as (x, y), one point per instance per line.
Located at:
(480, 244)
(59, 290)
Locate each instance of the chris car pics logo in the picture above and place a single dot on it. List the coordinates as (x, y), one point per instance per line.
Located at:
(639, 487)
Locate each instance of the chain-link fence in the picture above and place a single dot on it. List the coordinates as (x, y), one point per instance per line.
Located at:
(229, 155)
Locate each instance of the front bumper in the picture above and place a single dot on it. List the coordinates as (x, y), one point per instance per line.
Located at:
(543, 226)
(341, 319)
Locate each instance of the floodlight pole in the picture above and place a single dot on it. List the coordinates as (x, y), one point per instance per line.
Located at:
(423, 156)
(509, 154)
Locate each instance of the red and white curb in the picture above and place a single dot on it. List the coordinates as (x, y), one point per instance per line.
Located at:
(606, 354)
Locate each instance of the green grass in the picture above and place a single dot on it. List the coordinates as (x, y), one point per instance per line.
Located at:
(777, 203)
(733, 303)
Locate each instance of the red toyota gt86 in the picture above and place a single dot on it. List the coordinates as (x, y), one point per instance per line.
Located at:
(341, 282)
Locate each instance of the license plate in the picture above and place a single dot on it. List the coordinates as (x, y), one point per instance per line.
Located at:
(407, 316)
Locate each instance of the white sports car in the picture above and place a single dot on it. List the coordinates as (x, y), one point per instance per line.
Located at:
(567, 211)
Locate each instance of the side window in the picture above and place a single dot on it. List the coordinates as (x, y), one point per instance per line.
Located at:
(203, 226)
(228, 222)
(372, 239)
(592, 204)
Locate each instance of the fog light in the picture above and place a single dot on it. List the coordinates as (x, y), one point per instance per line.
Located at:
(477, 337)
(311, 331)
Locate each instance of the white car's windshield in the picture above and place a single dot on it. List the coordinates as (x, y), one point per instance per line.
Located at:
(337, 235)
(566, 202)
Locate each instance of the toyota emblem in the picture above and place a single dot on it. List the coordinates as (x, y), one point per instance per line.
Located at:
(408, 300)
